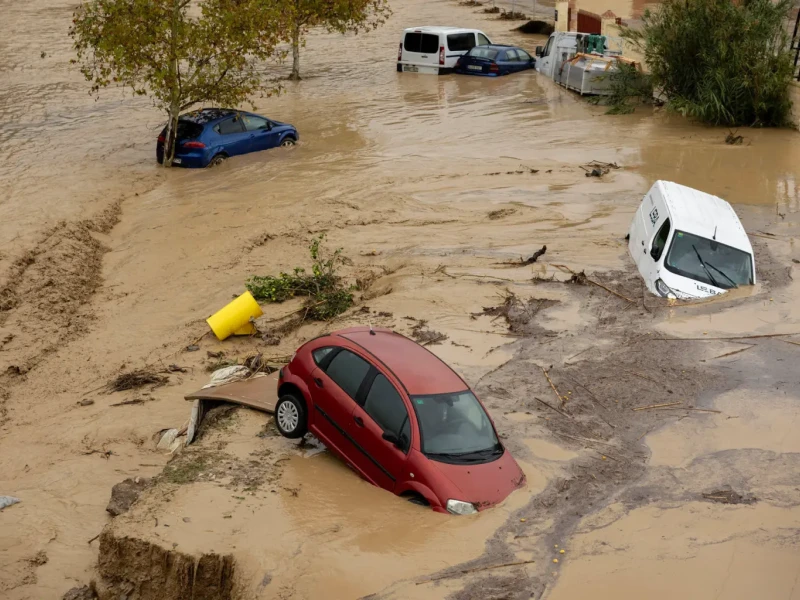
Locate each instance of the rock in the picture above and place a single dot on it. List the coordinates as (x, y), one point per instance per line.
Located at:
(124, 494)
(86, 592)
(86, 402)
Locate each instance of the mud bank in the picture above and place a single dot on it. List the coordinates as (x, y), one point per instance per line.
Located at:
(131, 567)
(401, 171)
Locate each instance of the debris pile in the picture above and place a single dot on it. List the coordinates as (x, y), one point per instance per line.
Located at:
(137, 379)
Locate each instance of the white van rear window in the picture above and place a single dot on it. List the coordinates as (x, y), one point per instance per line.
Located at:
(460, 42)
(425, 43)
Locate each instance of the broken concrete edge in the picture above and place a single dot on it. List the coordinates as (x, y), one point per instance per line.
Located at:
(147, 571)
(124, 494)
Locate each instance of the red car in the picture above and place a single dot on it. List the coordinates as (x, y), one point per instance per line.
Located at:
(398, 416)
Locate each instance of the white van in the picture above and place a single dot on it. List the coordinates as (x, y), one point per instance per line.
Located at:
(436, 50)
(689, 244)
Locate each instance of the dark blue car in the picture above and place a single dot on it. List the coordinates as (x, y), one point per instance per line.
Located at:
(494, 60)
(208, 136)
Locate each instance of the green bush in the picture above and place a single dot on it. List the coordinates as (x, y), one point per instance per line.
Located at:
(326, 295)
(628, 86)
(720, 61)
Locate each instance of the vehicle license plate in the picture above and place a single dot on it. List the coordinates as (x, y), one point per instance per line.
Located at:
(411, 68)
(475, 67)
(177, 161)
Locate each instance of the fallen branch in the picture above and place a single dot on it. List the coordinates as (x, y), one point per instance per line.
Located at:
(93, 539)
(552, 385)
(588, 391)
(583, 439)
(548, 405)
(708, 410)
(657, 406)
(474, 570)
(600, 285)
(128, 402)
(742, 350)
(641, 376)
(733, 337)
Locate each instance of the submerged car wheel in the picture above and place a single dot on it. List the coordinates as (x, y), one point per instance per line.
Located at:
(217, 160)
(290, 417)
(288, 142)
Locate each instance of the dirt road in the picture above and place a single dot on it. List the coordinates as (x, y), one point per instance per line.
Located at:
(108, 261)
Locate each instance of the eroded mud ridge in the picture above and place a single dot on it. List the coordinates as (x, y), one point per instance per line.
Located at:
(135, 568)
(45, 294)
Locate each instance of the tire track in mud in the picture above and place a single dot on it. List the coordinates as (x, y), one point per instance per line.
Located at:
(613, 366)
(45, 298)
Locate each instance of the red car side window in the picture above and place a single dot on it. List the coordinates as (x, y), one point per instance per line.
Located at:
(348, 371)
(320, 354)
(386, 407)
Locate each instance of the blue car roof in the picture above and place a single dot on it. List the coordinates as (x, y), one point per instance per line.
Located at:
(205, 116)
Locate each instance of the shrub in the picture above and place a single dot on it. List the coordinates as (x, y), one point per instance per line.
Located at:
(722, 62)
(326, 295)
(628, 86)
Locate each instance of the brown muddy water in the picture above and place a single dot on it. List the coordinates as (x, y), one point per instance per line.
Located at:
(400, 171)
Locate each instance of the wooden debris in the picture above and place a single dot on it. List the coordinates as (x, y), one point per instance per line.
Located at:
(741, 350)
(548, 405)
(598, 284)
(657, 406)
(733, 337)
(552, 385)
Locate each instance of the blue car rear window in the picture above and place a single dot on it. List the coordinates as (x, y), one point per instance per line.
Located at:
(188, 130)
(479, 52)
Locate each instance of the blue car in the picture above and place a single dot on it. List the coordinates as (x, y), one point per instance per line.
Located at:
(209, 136)
(494, 60)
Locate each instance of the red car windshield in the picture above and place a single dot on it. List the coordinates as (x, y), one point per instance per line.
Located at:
(455, 428)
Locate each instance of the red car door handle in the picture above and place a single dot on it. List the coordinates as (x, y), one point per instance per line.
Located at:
(359, 421)
(318, 381)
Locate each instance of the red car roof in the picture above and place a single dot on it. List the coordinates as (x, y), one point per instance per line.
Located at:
(420, 371)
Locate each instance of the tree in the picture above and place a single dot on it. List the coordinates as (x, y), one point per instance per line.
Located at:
(177, 52)
(336, 15)
(722, 62)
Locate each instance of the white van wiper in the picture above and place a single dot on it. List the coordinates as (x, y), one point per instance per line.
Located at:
(721, 272)
(705, 268)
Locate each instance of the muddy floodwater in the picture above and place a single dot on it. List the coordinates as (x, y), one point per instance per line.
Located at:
(433, 187)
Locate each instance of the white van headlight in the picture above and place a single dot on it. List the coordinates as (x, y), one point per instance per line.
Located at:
(662, 288)
(457, 507)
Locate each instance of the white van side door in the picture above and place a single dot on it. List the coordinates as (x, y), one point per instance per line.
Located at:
(638, 232)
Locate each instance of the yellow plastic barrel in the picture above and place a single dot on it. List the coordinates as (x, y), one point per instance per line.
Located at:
(234, 318)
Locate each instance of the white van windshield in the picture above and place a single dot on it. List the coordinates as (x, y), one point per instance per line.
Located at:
(708, 261)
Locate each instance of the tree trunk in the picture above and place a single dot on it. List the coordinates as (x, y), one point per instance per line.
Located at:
(295, 76)
(174, 105)
(172, 134)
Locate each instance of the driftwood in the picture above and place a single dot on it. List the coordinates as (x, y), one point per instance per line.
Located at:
(593, 282)
(656, 406)
(552, 385)
(741, 350)
(559, 411)
(730, 337)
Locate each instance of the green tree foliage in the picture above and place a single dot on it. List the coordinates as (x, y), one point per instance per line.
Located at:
(722, 62)
(336, 15)
(177, 52)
